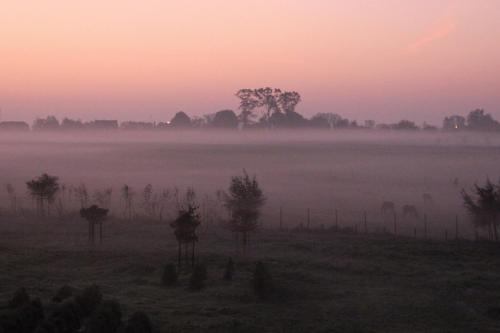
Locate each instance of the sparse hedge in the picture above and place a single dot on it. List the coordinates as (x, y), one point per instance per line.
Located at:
(198, 277)
(23, 319)
(169, 277)
(106, 319)
(139, 322)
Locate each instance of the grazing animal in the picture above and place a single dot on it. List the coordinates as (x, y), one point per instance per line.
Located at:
(428, 201)
(387, 207)
(410, 210)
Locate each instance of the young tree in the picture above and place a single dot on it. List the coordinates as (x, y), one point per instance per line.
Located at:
(94, 215)
(185, 226)
(128, 199)
(484, 207)
(244, 202)
(43, 189)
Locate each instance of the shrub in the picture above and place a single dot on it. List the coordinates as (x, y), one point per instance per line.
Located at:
(19, 298)
(262, 281)
(106, 319)
(63, 293)
(66, 318)
(23, 319)
(88, 299)
(197, 281)
(169, 276)
(229, 272)
(139, 322)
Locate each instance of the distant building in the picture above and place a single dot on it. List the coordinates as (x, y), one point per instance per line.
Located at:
(14, 126)
(137, 125)
(102, 125)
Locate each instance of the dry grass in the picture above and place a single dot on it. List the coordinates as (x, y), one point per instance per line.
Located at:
(326, 282)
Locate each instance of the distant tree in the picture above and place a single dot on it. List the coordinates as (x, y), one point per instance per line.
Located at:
(49, 123)
(43, 189)
(454, 122)
(11, 192)
(370, 124)
(128, 195)
(94, 215)
(244, 202)
(481, 121)
(428, 127)
(180, 120)
(405, 125)
(185, 225)
(225, 119)
(82, 195)
(248, 103)
(71, 124)
(103, 197)
(329, 120)
(484, 206)
(268, 99)
(288, 101)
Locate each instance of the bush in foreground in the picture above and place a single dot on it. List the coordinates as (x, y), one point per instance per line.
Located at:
(139, 322)
(198, 277)
(169, 277)
(89, 299)
(262, 281)
(19, 298)
(106, 319)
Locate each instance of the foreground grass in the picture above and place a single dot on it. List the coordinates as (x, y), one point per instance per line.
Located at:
(326, 282)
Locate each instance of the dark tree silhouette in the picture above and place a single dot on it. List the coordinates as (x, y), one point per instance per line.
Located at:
(128, 195)
(225, 119)
(484, 206)
(244, 202)
(94, 215)
(481, 121)
(180, 120)
(454, 122)
(248, 103)
(185, 226)
(43, 189)
(288, 101)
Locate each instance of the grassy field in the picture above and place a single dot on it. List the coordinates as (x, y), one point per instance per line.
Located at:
(326, 282)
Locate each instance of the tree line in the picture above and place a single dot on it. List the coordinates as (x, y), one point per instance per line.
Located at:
(262, 108)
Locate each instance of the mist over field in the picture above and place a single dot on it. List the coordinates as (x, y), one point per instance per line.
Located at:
(352, 171)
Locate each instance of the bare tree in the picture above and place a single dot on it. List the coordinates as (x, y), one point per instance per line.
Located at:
(94, 215)
(128, 199)
(82, 195)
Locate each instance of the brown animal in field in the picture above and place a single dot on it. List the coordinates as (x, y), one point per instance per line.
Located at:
(387, 207)
(410, 210)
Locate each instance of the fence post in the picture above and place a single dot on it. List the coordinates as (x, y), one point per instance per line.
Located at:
(366, 224)
(425, 226)
(281, 219)
(336, 219)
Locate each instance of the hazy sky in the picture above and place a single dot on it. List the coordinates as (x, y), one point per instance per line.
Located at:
(130, 59)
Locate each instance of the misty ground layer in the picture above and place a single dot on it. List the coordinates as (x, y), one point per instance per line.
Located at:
(326, 282)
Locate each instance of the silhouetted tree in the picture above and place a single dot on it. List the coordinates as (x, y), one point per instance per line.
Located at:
(11, 192)
(405, 125)
(484, 207)
(329, 120)
(180, 120)
(128, 195)
(454, 122)
(248, 103)
(244, 202)
(50, 123)
(185, 226)
(71, 124)
(43, 189)
(82, 195)
(481, 121)
(94, 215)
(225, 119)
(288, 101)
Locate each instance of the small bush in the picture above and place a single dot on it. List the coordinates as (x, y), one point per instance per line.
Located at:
(262, 282)
(63, 293)
(139, 322)
(197, 281)
(20, 298)
(23, 319)
(89, 299)
(169, 277)
(229, 272)
(106, 319)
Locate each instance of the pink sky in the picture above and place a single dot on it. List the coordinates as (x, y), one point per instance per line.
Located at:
(141, 60)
